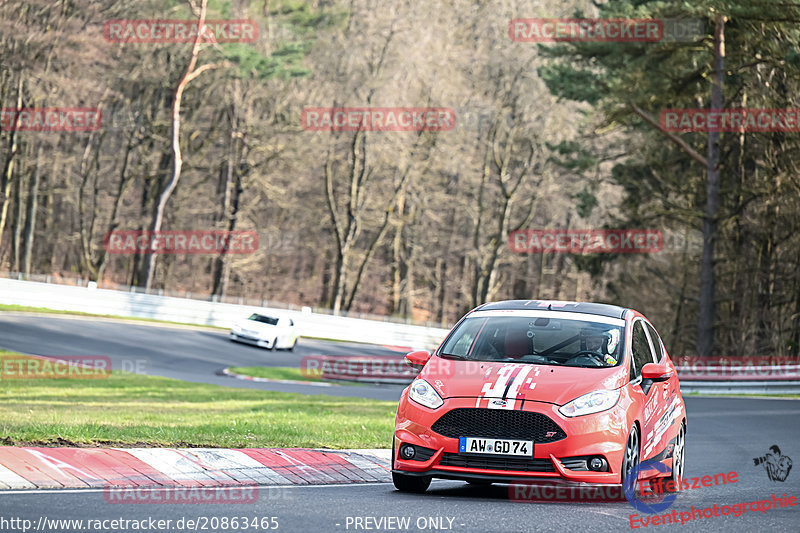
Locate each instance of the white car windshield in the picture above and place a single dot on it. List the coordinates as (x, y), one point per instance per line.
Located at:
(264, 319)
(549, 341)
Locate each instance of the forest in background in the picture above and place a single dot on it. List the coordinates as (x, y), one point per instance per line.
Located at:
(416, 224)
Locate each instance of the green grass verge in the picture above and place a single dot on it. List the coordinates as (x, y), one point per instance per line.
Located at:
(128, 409)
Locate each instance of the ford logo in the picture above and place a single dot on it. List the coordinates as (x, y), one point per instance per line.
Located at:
(499, 403)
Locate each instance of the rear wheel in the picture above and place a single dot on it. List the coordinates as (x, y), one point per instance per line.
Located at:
(405, 483)
(679, 458)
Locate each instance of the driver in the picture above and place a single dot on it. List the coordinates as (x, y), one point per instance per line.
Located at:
(603, 343)
(596, 343)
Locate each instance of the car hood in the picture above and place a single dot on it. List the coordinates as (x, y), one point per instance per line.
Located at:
(542, 383)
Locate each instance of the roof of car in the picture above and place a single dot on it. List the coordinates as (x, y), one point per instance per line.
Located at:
(611, 311)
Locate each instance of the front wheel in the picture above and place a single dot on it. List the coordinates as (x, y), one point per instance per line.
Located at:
(630, 461)
(405, 483)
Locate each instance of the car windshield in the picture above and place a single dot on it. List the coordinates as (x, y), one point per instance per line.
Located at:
(542, 340)
(263, 318)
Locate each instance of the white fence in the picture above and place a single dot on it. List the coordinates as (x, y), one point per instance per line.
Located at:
(132, 304)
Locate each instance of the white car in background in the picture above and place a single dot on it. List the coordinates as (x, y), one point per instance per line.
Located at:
(266, 331)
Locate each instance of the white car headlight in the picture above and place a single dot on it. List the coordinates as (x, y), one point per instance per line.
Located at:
(424, 394)
(594, 402)
(236, 329)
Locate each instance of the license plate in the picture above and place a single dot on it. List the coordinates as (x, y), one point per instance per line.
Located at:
(522, 448)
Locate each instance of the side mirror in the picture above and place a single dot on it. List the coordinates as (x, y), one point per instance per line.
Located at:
(656, 372)
(418, 359)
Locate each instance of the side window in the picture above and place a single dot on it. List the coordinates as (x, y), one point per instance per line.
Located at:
(656, 343)
(461, 342)
(640, 349)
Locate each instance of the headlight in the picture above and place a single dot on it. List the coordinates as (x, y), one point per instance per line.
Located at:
(421, 392)
(594, 402)
(236, 329)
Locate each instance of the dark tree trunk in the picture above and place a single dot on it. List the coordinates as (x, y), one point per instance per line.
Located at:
(705, 326)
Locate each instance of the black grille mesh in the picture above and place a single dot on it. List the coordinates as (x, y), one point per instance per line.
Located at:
(423, 454)
(498, 424)
(522, 464)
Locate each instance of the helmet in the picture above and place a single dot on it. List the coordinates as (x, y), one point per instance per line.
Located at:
(602, 342)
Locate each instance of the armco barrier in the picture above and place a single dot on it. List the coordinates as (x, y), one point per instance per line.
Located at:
(131, 304)
(739, 375)
(740, 387)
(762, 379)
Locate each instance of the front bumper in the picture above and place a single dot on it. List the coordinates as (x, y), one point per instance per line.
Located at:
(251, 340)
(597, 435)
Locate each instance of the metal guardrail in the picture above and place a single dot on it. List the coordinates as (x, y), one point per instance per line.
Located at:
(741, 387)
(784, 379)
(731, 378)
(236, 300)
(131, 304)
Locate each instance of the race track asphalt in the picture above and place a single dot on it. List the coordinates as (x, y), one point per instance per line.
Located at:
(724, 435)
(191, 354)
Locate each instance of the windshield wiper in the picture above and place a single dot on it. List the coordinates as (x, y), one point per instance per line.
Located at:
(454, 356)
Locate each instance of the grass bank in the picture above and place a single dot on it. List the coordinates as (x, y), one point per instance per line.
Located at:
(126, 409)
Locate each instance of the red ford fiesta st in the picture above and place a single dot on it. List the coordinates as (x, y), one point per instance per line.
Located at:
(530, 389)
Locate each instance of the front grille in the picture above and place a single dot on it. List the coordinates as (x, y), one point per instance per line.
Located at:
(498, 424)
(523, 464)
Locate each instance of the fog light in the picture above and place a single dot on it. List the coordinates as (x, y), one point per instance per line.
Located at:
(597, 464)
(407, 451)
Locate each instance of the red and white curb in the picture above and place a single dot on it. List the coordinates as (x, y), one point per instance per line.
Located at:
(32, 468)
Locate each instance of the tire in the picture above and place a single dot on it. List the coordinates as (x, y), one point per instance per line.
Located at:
(679, 459)
(416, 484)
(274, 344)
(631, 458)
(291, 348)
